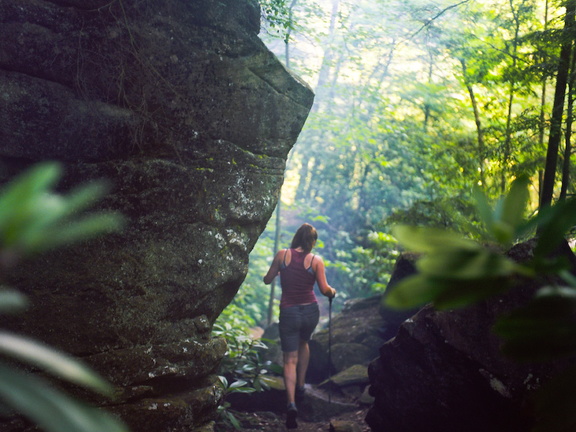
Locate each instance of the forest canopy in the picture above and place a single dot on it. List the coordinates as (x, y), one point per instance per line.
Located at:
(417, 102)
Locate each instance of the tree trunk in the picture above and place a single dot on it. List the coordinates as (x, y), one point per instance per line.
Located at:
(558, 107)
(477, 120)
(568, 133)
(512, 91)
(542, 120)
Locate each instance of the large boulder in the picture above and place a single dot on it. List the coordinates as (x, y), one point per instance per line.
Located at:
(444, 372)
(355, 336)
(180, 106)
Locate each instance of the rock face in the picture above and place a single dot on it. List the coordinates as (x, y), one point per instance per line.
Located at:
(355, 339)
(180, 106)
(443, 372)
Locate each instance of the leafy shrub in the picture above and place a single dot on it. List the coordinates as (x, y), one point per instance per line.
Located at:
(243, 369)
(33, 219)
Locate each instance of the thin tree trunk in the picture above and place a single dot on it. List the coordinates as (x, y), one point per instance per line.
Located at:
(512, 92)
(426, 108)
(477, 121)
(542, 120)
(558, 107)
(568, 133)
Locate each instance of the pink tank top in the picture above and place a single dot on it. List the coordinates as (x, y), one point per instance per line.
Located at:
(297, 282)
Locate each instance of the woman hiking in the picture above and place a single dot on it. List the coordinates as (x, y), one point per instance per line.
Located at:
(299, 269)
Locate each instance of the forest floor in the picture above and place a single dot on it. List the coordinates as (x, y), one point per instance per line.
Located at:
(271, 422)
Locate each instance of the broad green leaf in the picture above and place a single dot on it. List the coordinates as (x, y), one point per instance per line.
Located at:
(234, 421)
(53, 361)
(568, 277)
(466, 264)
(72, 232)
(426, 240)
(485, 211)
(34, 219)
(503, 233)
(275, 368)
(515, 202)
(413, 291)
(504, 221)
(554, 223)
(18, 197)
(50, 409)
(12, 301)
(267, 381)
(223, 381)
(243, 390)
(239, 383)
(85, 196)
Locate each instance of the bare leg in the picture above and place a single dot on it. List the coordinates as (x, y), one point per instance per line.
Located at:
(303, 360)
(290, 366)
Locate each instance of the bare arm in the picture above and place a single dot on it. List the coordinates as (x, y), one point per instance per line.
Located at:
(320, 270)
(274, 269)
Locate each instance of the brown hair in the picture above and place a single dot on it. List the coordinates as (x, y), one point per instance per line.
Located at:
(305, 238)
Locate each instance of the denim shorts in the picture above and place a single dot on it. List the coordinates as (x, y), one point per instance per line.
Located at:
(297, 323)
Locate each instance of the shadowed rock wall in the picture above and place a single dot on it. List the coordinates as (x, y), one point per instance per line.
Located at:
(180, 106)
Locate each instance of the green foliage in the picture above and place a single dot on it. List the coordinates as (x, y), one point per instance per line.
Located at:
(362, 270)
(242, 370)
(455, 272)
(33, 219)
(243, 363)
(277, 14)
(411, 108)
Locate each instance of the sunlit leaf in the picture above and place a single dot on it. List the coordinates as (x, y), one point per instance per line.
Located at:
(50, 409)
(53, 361)
(20, 192)
(485, 211)
(503, 221)
(515, 202)
(223, 381)
(239, 383)
(34, 219)
(554, 222)
(465, 264)
(502, 232)
(425, 240)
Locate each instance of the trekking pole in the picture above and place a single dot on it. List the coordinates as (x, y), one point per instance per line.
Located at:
(330, 350)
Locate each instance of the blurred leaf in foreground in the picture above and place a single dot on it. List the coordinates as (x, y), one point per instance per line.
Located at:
(33, 218)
